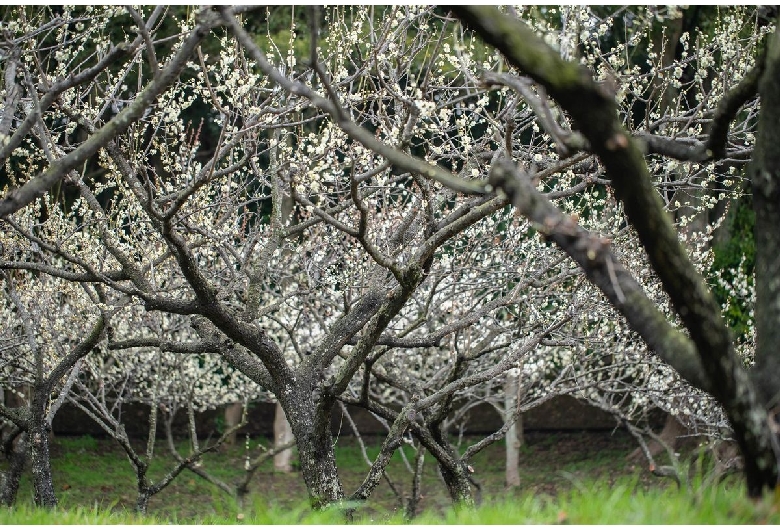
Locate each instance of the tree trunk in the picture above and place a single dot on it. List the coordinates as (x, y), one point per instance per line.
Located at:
(514, 434)
(318, 467)
(458, 485)
(310, 423)
(9, 484)
(43, 483)
(764, 170)
(282, 435)
(142, 502)
(765, 179)
(416, 495)
(232, 418)
(453, 471)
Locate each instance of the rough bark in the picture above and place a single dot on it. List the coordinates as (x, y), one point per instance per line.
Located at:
(43, 482)
(454, 472)
(318, 467)
(459, 484)
(392, 442)
(142, 502)
(310, 425)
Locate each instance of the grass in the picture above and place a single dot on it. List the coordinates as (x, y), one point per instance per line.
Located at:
(577, 478)
(89, 472)
(591, 502)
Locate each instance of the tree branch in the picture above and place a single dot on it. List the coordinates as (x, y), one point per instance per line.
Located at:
(353, 130)
(38, 185)
(728, 107)
(602, 267)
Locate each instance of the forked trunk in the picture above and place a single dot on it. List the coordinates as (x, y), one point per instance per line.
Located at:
(310, 425)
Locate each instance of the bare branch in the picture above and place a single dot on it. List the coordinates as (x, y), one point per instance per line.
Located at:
(38, 185)
(144, 32)
(397, 158)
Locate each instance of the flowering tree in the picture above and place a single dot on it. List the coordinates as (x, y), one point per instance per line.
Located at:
(707, 358)
(566, 142)
(343, 228)
(50, 327)
(168, 382)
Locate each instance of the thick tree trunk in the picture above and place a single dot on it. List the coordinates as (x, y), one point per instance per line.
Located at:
(458, 485)
(282, 435)
(318, 467)
(310, 423)
(514, 434)
(765, 179)
(43, 483)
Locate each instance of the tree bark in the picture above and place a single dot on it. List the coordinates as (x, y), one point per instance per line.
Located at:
(318, 467)
(282, 436)
(454, 472)
(232, 418)
(515, 432)
(43, 483)
(142, 502)
(458, 485)
(310, 423)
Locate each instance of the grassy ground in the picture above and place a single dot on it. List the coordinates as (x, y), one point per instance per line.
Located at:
(562, 474)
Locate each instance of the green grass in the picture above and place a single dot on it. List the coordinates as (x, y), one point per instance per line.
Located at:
(26, 514)
(579, 478)
(626, 502)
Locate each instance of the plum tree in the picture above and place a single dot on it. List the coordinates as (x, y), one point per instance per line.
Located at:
(340, 212)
